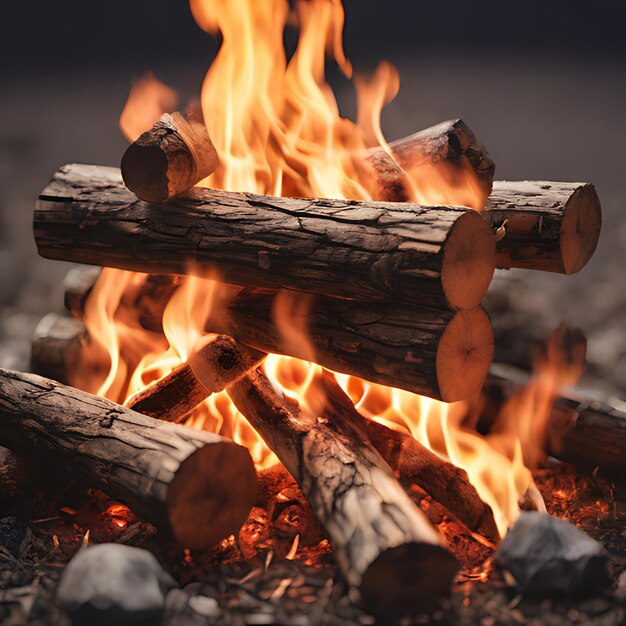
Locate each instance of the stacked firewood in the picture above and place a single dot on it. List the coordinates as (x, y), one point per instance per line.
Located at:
(393, 293)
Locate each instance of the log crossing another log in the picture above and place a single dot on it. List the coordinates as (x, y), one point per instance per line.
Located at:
(197, 484)
(383, 544)
(170, 158)
(432, 256)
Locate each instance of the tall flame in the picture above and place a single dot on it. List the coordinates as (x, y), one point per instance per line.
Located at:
(276, 126)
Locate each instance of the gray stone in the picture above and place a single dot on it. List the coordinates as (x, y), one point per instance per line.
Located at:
(113, 584)
(548, 555)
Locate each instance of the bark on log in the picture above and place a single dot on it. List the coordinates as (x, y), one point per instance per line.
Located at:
(170, 158)
(450, 145)
(383, 544)
(441, 354)
(197, 484)
(217, 361)
(412, 462)
(427, 255)
(547, 226)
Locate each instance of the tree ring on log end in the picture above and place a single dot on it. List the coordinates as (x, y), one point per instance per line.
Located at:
(580, 229)
(211, 495)
(469, 261)
(464, 355)
(409, 578)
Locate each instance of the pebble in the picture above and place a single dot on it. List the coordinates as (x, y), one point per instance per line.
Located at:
(113, 584)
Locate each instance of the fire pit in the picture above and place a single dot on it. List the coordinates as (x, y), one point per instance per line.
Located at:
(278, 379)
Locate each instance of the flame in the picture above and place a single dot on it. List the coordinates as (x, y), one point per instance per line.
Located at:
(276, 126)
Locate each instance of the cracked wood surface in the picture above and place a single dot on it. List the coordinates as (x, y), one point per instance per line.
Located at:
(383, 543)
(548, 226)
(197, 484)
(428, 255)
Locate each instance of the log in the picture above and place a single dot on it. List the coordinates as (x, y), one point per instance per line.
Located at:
(440, 256)
(196, 484)
(546, 226)
(450, 144)
(384, 545)
(170, 158)
(217, 361)
(438, 353)
(412, 462)
(77, 286)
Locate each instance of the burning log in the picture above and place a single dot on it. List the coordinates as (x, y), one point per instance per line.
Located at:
(547, 226)
(451, 142)
(383, 544)
(427, 255)
(439, 353)
(197, 484)
(218, 362)
(412, 462)
(170, 158)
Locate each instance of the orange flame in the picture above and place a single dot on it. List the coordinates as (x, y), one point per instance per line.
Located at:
(277, 129)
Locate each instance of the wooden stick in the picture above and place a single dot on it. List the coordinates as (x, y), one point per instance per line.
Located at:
(170, 158)
(197, 484)
(546, 226)
(217, 361)
(439, 353)
(383, 543)
(426, 255)
(412, 462)
(450, 144)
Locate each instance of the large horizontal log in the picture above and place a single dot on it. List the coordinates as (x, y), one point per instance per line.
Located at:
(439, 353)
(451, 146)
(197, 484)
(546, 226)
(426, 255)
(169, 158)
(383, 544)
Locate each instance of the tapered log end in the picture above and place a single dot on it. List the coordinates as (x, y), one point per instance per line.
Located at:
(211, 494)
(580, 229)
(408, 579)
(464, 355)
(469, 261)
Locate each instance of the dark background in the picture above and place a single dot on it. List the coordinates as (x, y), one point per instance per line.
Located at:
(543, 84)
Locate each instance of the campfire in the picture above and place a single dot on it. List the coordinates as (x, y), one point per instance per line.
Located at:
(281, 350)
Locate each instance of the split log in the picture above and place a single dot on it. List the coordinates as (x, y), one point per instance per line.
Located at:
(383, 544)
(412, 462)
(198, 485)
(441, 354)
(170, 158)
(439, 256)
(217, 361)
(546, 226)
(450, 144)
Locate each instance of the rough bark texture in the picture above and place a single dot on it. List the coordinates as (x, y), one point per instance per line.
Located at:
(169, 159)
(56, 347)
(426, 255)
(218, 362)
(450, 144)
(439, 353)
(413, 463)
(199, 485)
(546, 226)
(382, 543)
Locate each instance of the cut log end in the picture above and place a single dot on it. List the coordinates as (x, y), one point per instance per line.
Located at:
(469, 261)
(211, 495)
(408, 576)
(580, 229)
(464, 355)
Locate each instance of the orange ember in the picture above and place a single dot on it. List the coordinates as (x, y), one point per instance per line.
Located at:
(276, 126)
